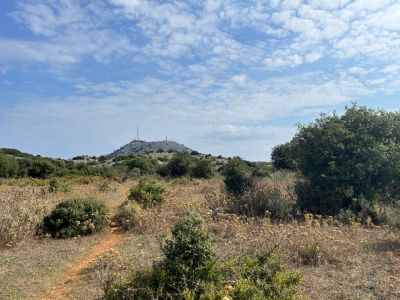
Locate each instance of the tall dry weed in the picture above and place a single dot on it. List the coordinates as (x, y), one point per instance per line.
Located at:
(21, 214)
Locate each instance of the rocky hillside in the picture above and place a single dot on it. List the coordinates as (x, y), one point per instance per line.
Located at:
(142, 147)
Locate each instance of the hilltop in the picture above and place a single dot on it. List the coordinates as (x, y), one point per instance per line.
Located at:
(143, 147)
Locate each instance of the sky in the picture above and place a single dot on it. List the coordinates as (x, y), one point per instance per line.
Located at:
(223, 77)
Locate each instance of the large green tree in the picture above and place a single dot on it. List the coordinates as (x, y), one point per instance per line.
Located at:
(345, 158)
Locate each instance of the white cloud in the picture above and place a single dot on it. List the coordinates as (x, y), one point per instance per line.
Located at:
(239, 79)
(185, 111)
(358, 70)
(220, 58)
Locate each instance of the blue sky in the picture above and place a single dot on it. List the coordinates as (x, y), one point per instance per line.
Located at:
(223, 77)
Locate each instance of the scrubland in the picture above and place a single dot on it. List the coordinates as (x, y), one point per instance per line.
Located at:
(336, 260)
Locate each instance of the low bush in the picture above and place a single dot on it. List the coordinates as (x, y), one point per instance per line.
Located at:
(130, 216)
(256, 278)
(273, 197)
(237, 176)
(56, 186)
(312, 254)
(144, 163)
(105, 186)
(21, 215)
(189, 271)
(202, 169)
(76, 217)
(147, 193)
(8, 166)
(179, 165)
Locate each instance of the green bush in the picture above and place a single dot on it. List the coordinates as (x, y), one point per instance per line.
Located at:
(202, 169)
(179, 165)
(54, 185)
(189, 271)
(351, 156)
(105, 186)
(261, 278)
(237, 176)
(147, 193)
(187, 262)
(188, 255)
(129, 216)
(8, 166)
(41, 168)
(76, 217)
(144, 163)
(283, 157)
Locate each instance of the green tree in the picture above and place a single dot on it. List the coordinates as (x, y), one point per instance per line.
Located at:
(282, 157)
(8, 166)
(202, 169)
(179, 165)
(348, 157)
(144, 163)
(237, 176)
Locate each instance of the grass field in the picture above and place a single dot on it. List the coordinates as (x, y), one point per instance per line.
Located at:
(337, 262)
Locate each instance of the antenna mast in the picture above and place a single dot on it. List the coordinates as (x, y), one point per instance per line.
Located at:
(137, 132)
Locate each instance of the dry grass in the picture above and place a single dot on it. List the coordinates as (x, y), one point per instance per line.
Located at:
(337, 262)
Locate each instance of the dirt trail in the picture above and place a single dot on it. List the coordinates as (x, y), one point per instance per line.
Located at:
(74, 271)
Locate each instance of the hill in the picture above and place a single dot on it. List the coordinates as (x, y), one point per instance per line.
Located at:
(143, 147)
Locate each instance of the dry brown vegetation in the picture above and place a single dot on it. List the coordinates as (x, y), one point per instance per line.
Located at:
(337, 261)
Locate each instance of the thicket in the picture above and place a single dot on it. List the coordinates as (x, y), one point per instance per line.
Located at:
(189, 271)
(147, 193)
(346, 160)
(272, 197)
(178, 166)
(237, 176)
(185, 164)
(76, 217)
(145, 164)
(202, 168)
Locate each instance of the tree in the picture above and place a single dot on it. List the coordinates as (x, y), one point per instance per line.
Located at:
(282, 157)
(179, 165)
(8, 166)
(237, 176)
(202, 169)
(348, 157)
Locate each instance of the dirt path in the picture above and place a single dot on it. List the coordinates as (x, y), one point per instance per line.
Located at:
(74, 271)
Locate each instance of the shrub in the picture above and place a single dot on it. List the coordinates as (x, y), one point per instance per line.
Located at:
(262, 170)
(76, 217)
(54, 185)
(237, 176)
(8, 166)
(129, 216)
(258, 278)
(104, 186)
(312, 253)
(283, 157)
(202, 169)
(355, 155)
(267, 198)
(179, 165)
(147, 193)
(188, 271)
(41, 168)
(144, 163)
(187, 262)
(188, 255)
(21, 215)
